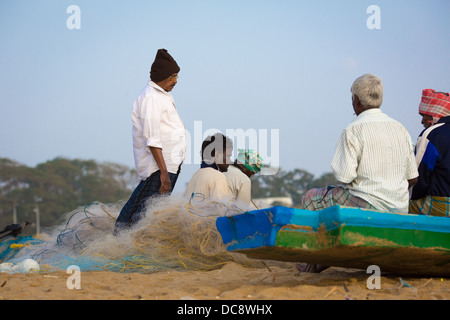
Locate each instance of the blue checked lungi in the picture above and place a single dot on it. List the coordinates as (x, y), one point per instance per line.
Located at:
(134, 209)
(321, 198)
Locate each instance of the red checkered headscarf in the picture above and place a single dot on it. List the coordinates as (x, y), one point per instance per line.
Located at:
(435, 104)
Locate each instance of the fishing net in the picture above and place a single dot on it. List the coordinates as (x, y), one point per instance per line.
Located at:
(174, 234)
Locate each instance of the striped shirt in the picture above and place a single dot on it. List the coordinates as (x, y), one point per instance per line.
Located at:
(375, 158)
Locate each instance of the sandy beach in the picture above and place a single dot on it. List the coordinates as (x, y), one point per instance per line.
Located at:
(277, 281)
(173, 238)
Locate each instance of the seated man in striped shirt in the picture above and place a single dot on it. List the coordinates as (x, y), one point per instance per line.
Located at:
(373, 162)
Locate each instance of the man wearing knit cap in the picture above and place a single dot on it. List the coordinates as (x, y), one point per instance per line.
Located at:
(159, 139)
(247, 164)
(431, 194)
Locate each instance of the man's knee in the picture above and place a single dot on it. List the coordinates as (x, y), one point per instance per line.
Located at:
(311, 194)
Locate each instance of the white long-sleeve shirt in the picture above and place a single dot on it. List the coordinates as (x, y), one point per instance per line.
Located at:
(375, 158)
(156, 123)
(240, 186)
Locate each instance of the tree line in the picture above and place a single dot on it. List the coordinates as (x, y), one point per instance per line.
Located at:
(61, 185)
(58, 187)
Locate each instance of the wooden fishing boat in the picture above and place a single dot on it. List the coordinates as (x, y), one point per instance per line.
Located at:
(343, 237)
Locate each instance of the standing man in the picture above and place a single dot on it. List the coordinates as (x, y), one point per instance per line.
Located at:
(159, 139)
(247, 163)
(431, 194)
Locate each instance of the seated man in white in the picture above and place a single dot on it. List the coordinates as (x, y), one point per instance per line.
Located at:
(247, 163)
(209, 181)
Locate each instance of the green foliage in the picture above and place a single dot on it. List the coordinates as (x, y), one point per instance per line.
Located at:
(58, 187)
(292, 184)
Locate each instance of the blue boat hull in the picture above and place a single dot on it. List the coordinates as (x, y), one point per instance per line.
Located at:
(342, 236)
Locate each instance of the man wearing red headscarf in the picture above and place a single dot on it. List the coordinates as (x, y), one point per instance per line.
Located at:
(431, 194)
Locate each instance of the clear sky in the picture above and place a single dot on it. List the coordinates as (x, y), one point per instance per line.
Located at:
(280, 69)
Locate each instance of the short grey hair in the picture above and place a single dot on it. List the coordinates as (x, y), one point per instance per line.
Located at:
(369, 90)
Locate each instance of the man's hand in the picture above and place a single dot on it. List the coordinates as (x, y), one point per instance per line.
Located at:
(165, 180)
(165, 183)
(412, 182)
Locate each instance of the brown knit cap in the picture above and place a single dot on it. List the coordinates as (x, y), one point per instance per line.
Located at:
(163, 66)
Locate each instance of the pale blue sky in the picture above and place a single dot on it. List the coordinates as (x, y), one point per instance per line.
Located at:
(251, 65)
